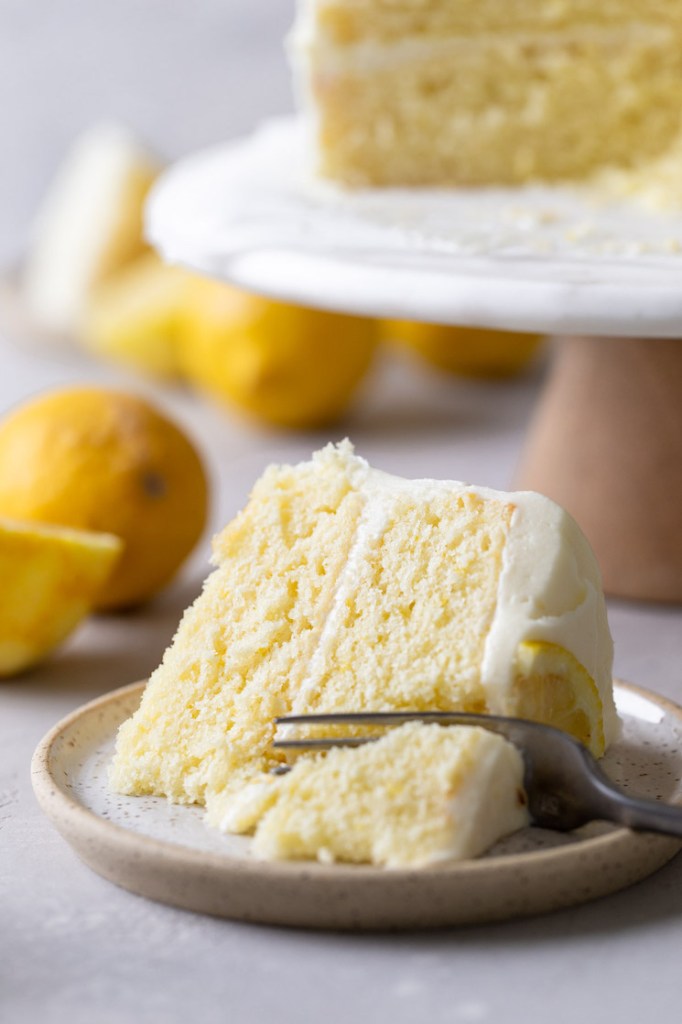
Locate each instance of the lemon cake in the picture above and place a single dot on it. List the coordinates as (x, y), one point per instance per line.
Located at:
(420, 794)
(340, 587)
(471, 92)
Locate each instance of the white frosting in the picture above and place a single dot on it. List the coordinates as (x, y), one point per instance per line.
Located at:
(549, 588)
(487, 804)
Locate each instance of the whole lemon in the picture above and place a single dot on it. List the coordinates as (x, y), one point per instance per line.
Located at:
(106, 461)
(467, 351)
(284, 364)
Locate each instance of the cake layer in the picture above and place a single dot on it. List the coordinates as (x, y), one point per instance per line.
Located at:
(346, 22)
(242, 648)
(489, 93)
(421, 793)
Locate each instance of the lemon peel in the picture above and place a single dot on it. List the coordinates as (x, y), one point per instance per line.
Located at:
(551, 686)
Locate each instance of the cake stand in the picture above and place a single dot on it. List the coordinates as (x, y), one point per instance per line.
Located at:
(605, 275)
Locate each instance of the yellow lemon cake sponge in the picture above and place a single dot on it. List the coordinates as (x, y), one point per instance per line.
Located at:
(470, 92)
(340, 587)
(421, 793)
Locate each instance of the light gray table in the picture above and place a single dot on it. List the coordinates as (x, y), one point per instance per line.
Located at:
(75, 950)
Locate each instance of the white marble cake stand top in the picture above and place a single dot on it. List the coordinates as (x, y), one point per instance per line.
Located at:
(547, 259)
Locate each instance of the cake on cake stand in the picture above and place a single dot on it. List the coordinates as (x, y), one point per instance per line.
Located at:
(606, 441)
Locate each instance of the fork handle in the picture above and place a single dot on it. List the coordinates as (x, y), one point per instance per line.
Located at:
(644, 815)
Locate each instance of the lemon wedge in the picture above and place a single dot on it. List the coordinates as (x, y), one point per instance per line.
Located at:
(50, 579)
(552, 687)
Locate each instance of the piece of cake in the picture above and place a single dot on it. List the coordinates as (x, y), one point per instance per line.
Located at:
(421, 793)
(341, 588)
(475, 92)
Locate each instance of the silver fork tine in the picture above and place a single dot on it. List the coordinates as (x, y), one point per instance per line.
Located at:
(564, 784)
(392, 718)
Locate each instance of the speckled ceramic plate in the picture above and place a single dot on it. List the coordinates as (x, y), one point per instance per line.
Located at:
(166, 852)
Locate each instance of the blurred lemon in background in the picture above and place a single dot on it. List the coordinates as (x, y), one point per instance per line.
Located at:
(467, 351)
(286, 365)
(136, 317)
(106, 461)
(50, 579)
(89, 225)
(90, 274)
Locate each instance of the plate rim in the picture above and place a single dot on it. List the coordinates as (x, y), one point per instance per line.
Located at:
(59, 806)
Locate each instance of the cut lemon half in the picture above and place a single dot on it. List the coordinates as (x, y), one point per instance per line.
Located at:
(50, 579)
(551, 686)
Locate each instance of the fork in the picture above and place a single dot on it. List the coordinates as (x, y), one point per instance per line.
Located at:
(564, 784)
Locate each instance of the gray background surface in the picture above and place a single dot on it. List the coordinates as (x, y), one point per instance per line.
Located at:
(72, 947)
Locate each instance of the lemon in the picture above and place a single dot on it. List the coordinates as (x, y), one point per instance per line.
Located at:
(102, 460)
(468, 351)
(283, 364)
(90, 224)
(136, 316)
(50, 579)
(552, 687)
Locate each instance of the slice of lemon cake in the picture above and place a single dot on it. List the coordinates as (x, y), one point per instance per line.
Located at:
(441, 92)
(340, 587)
(421, 793)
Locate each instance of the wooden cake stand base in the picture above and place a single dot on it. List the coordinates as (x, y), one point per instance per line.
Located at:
(606, 443)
